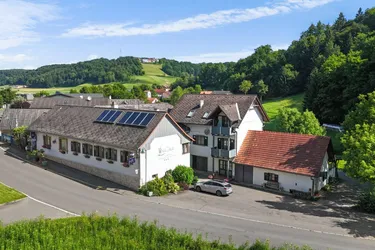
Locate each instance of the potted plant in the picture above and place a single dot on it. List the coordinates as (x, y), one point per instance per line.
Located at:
(42, 158)
(28, 155)
(32, 155)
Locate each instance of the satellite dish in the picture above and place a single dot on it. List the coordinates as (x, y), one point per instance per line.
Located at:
(207, 131)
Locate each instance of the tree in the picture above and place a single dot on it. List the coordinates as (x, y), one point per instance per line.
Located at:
(359, 153)
(340, 22)
(290, 120)
(8, 95)
(177, 93)
(197, 89)
(359, 140)
(1, 101)
(262, 89)
(73, 91)
(19, 134)
(42, 93)
(245, 86)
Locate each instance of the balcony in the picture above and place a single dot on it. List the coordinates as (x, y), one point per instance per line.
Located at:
(218, 130)
(223, 153)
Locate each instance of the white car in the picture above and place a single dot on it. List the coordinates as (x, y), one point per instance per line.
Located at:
(215, 187)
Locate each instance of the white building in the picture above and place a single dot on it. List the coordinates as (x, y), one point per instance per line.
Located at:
(285, 161)
(219, 124)
(129, 147)
(230, 142)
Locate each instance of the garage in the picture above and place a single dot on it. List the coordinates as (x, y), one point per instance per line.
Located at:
(244, 174)
(199, 163)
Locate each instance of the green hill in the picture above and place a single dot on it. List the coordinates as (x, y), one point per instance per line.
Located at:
(153, 74)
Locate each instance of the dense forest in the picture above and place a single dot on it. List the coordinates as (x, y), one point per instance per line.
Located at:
(175, 68)
(333, 64)
(94, 71)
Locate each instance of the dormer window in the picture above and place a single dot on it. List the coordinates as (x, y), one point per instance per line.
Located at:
(205, 115)
(191, 113)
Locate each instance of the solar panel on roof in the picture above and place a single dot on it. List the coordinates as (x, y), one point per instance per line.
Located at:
(125, 117)
(102, 115)
(132, 118)
(109, 115)
(114, 116)
(140, 118)
(147, 119)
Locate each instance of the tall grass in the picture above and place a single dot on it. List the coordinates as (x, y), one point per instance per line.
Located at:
(95, 232)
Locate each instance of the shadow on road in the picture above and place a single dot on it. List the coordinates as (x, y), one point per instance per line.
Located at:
(358, 224)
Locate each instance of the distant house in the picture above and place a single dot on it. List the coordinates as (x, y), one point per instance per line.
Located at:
(149, 60)
(163, 93)
(129, 147)
(14, 118)
(284, 161)
(27, 97)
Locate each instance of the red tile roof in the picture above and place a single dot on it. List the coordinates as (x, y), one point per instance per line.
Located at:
(293, 153)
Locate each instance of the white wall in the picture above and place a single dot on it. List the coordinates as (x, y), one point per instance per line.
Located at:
(80, 158)
(163, 151)
(287, 180)
(199, 150)
(253, 120)
(325, 168)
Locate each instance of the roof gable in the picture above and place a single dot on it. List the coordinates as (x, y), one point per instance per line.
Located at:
(293, 153)
(12, 118)
(211, 103)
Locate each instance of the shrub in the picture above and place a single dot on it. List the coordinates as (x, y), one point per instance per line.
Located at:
(183, 174)
(183, 186)
(171, 186)
(195, 180)
(367, 201)
(156, 186)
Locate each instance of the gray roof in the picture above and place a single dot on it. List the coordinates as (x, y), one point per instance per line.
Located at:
(212, 103)
(49, 103)
(76, 95)
(231, 111)
(78, 123)
(21, 117)
(161, 106)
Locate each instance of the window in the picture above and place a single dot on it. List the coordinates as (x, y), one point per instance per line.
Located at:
(46, 141)
(191, 113)
(111, 154)
(225, 121)
(87, 149)
(63, 144)
(205, 115)
(271, 177)
(223, 165)
(222, 143)
(75, 146)
(200, 140)
(99, 151)
(185, 148)
(124, 156)
(231, 144)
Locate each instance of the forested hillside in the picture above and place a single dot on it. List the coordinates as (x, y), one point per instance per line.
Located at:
(175, 68)
(66, 75)
(333, 64)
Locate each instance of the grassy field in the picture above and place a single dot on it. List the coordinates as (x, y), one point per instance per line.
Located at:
(153, 74)
(95, 232)
(272, 107)
(9, 194)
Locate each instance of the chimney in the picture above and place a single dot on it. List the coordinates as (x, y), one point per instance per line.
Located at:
(110, 97)
(114, 105)
(201, 102)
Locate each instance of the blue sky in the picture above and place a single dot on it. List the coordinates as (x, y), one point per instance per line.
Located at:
(36, 33)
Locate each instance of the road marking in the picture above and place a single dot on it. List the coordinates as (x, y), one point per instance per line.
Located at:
(47, 204)
(42, 202)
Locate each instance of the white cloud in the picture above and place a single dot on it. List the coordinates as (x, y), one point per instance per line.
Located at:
(14, 58)
(92, 57)
(202, 21)
(223, 56)
(18, 18)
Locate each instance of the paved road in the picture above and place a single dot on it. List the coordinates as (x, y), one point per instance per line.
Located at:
(77, 198)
